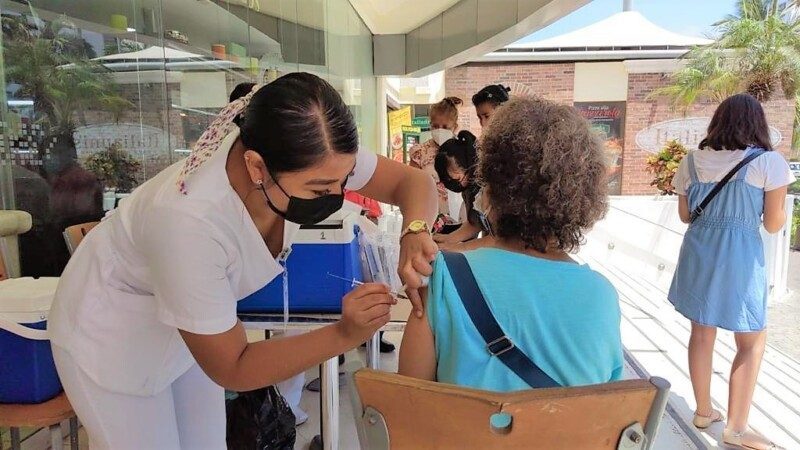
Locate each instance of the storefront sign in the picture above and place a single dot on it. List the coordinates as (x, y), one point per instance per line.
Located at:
(423, 122)
(688, 131)
(131, 137)
(608, 118)
(396, 121)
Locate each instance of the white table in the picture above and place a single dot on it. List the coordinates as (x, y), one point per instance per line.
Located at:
(329, 370)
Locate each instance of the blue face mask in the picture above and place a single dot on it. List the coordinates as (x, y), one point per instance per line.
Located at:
(306, 211)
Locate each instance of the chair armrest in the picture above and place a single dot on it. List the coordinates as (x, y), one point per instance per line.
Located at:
(13, 223)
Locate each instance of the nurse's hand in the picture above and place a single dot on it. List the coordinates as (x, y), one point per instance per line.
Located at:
(417, 252)
(364, 311)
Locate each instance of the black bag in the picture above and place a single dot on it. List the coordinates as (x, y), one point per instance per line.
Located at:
(260, 420)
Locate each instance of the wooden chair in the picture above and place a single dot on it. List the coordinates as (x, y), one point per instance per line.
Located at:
(49, 414)
(397, 412)
(74, 235)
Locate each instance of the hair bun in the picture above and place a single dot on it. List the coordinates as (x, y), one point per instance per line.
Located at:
(467, 137)
(455, 101)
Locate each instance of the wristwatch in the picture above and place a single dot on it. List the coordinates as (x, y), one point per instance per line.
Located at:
(416, 227)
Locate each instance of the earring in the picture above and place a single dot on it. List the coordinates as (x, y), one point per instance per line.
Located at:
(260, 182)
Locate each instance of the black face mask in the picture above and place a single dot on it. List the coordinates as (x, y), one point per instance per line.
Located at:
(306, 211)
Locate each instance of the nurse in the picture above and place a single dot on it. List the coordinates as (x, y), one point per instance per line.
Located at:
(143, 326)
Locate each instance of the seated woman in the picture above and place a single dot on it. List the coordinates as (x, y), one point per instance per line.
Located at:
(455, 165)
(543, 174)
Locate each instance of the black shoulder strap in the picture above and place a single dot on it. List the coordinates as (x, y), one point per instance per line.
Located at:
(697, 212)
(497, 343)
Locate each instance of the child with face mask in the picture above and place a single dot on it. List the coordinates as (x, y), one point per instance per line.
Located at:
(444, 125)
(455, 166)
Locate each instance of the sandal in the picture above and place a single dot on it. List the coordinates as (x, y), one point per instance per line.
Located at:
(704, 422)
(731, 437)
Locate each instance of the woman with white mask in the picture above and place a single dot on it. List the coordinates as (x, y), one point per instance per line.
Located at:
(444, 126)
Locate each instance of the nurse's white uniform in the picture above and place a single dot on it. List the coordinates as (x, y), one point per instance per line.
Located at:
(162, 261)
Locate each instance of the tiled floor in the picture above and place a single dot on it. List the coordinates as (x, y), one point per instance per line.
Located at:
(657, 337)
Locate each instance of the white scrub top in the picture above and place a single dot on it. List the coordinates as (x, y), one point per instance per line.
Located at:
(164, 261)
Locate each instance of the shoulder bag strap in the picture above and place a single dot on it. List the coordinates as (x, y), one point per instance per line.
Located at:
(497, 343)
(697, 212)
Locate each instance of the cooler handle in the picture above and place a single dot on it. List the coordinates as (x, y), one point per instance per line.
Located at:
(23, 331)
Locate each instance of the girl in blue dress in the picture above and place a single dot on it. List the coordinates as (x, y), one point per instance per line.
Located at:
(720, 280)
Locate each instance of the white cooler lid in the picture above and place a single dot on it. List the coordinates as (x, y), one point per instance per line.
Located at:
(26, 300)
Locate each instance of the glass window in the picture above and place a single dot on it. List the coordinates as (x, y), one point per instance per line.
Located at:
(101, 95)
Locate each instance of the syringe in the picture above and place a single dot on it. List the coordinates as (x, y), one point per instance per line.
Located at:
(401, 294)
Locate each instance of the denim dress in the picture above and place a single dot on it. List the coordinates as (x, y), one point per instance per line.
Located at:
(721, 279)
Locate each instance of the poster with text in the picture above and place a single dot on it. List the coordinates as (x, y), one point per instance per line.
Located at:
(608, 119)
(398, 119)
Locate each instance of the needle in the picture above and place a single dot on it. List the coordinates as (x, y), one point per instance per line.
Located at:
(355, 282)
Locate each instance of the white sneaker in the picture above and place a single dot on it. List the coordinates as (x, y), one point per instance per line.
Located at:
(300, 417)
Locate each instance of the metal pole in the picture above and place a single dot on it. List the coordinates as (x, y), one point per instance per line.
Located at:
(627, 5)
(329, 391)
(374, 351)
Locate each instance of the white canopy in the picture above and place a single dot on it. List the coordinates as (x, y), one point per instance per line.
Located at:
(154, 52)
(622, 30)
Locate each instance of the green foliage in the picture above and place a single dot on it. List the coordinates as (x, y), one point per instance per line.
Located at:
(664, 166)
(114, 167)
(53, 65)
(758, 51)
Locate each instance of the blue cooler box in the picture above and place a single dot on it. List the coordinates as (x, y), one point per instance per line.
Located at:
(330, 247)
(27, 371)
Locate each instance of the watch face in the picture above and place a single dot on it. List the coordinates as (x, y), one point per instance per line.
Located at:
(417, 226)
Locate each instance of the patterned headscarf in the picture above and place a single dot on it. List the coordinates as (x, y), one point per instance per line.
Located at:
(213, 136)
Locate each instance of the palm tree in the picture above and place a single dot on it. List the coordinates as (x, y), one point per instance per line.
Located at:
(757, 51)
(52, 65)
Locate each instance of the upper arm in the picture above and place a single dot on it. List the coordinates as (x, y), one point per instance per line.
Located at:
(417, 351)
(774, 210)
(683, 209)
(387, 178)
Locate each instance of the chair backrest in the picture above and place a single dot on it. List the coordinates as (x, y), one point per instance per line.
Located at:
(397, 412)
(74, 235)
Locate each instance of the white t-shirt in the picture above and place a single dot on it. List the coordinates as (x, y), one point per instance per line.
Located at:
(164, 261)
(769, 171)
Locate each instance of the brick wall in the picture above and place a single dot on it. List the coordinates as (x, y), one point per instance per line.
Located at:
(643, 111)
(555, 81)
(552, 81)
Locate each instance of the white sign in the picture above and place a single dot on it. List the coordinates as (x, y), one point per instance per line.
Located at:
(688, 131)
(131, 137)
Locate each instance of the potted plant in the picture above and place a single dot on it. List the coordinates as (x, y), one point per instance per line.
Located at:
(115, 168)
(664, 166)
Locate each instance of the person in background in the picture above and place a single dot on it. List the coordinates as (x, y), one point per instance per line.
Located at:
(543, 173)
(487, 100)
(720, 280)
(455, 166)
(444, 125)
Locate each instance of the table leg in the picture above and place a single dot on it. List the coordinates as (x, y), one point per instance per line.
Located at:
(73, 433)
(15, 440)
(329, 391)
(374, 351)
(56, 438)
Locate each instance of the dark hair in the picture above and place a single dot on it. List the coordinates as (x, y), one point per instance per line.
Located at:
(295, 120)
(461, 149)
(738, 123)
(545, 174)
(240, 91)
(495, 94)
(447, 106)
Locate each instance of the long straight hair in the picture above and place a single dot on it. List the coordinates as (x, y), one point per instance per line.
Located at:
(738, 123)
